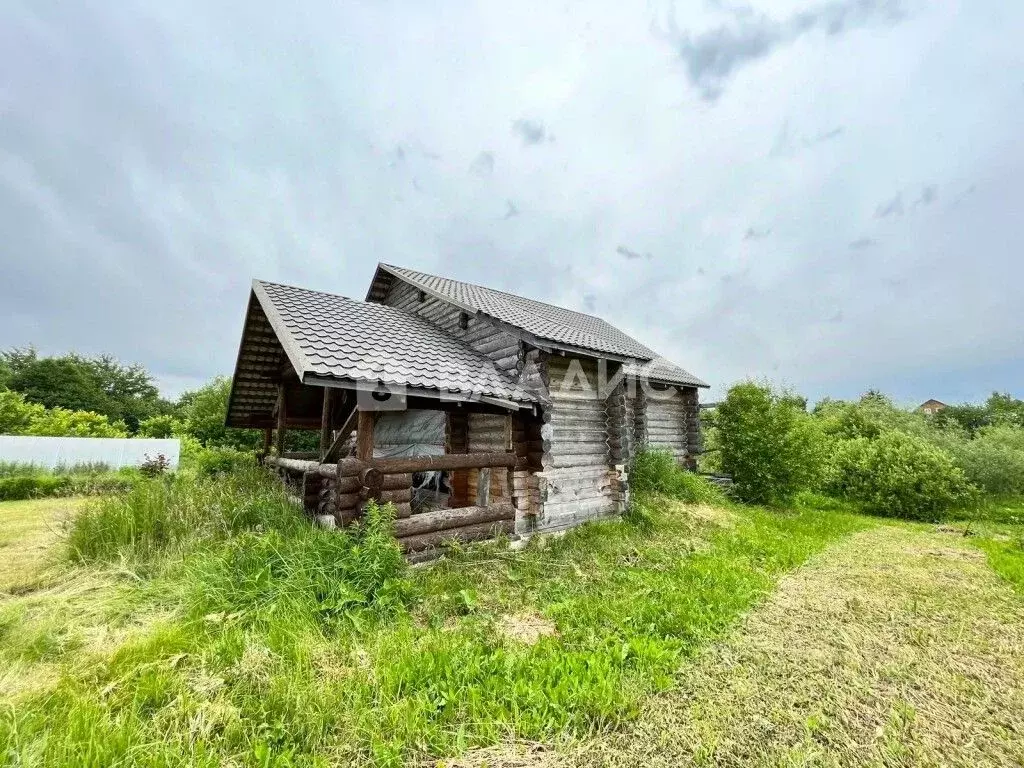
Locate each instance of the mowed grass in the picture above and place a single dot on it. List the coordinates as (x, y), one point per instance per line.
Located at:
(898, 646)
(301, 647)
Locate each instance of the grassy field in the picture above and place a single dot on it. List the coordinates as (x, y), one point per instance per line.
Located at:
(236, 652)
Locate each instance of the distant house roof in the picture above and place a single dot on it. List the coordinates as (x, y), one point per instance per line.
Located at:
(932, 404)
(545, 322)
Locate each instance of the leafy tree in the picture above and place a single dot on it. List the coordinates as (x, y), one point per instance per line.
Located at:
(60, 422)
(101, 385)
(769, 445)
(968, 417)
(16, 415)
(205, 411)
(162, 426)
(65, 382)
(1005, 409)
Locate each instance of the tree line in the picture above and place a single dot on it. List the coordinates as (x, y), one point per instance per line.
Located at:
(80, 396)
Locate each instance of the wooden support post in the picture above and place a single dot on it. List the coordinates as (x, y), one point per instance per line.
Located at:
(282, 415)
(268, 440)
(483, 487)
(325, 421)
(364, 435)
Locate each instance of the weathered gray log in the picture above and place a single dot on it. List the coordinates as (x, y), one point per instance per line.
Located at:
(466, 533)
(483, 487)
(293, 465)
(447, 519)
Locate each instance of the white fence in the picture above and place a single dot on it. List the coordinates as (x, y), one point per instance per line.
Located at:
(115, 452)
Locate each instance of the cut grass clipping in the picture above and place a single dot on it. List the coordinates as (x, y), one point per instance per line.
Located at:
(286, 645)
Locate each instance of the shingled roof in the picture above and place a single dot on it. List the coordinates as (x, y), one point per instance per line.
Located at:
(545, 322)
(328, 337)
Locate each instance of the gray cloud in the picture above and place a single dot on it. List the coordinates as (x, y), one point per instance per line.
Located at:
(632, 255)
(863, 243)
(483, 164)
(590, 302)
(531, 132)
(756, 234)
(890, 208)
(154, 158)
(929, 194)
(788, 143)
(510, 209)
(712, 57)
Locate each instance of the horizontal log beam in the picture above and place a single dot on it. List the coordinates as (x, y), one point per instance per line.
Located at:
(466, 533)
(447, 519)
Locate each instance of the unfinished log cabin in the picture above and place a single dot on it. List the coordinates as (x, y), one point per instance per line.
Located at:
(475, 412)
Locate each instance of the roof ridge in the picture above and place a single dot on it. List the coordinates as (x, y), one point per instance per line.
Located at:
(498, 290)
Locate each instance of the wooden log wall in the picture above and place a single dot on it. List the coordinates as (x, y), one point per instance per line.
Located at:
(619, 423)
(485, 337)
(489, 433)
(528, 445)
(674, 424)
(694, 438)
(577, 482)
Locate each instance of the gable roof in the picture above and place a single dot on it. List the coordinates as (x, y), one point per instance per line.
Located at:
(544, 321)
(328, 337)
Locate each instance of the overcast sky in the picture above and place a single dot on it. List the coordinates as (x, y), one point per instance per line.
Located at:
(827, 193)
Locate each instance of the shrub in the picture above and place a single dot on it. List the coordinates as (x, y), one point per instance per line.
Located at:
(214, 461)
(656, 471)
(898, 475)
(769, 446)
(20, 487)
(993, 460)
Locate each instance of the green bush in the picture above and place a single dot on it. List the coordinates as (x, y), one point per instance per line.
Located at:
(18, 487)
(176, 511)
(656, 471)
(993, 460)
(898, 475)
(768, 444)
(210, 461)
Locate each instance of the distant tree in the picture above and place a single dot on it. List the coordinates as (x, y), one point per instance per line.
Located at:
(1005, 409)
(60, 422)
(204, 412)
(130, 391)
(100, 384)
(61, 382)
(968, 417)
(16, 415)
(162, 426)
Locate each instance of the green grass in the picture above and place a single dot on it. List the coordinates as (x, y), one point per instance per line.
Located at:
(284, 645)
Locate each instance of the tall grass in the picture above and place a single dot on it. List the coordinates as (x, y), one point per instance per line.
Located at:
(655, 471)
(287, 645)
(173, 512)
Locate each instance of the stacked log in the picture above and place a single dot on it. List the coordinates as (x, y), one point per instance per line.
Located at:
(431, 529)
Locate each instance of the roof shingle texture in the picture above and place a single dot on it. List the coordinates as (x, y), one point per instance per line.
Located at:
(546, 321)
(337, 337)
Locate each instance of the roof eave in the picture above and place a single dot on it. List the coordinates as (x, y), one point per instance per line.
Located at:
(291, 348)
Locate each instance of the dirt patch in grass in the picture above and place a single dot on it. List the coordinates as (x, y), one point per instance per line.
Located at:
(526, 628)
(896, 647)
